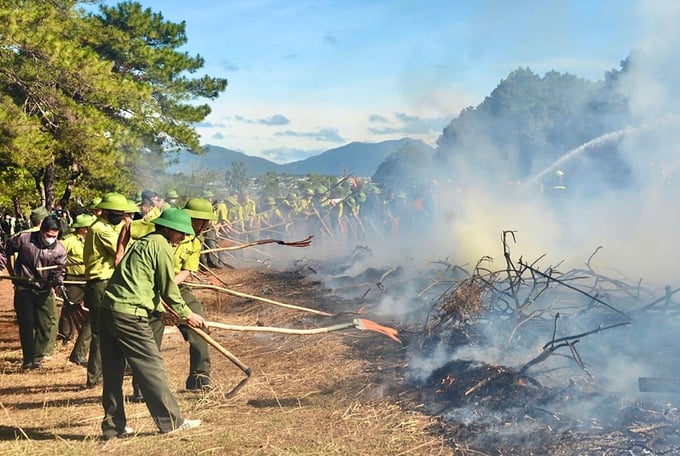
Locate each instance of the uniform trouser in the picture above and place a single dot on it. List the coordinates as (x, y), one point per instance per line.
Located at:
(94, 292)
(211, 260)
(37, 319)
(199, 353)
(130, 338)
(76, 294)
(82, 346)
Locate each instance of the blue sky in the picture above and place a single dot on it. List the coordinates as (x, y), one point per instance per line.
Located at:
(308, 76)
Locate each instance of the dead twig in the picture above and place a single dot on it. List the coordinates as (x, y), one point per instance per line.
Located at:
(571, 287)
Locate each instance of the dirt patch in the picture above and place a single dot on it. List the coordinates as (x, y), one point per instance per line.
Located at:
(334, 393)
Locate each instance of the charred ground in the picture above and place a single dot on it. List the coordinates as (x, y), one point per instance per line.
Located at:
(346, 392)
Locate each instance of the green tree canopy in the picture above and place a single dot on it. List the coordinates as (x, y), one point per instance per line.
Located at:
(98, 96)
(529, 121)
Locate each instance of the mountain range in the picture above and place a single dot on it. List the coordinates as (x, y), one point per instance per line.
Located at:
(357, 158)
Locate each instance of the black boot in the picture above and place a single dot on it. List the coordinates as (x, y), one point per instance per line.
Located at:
(199, 382)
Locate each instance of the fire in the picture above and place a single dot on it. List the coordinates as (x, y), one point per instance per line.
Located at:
(446, 381)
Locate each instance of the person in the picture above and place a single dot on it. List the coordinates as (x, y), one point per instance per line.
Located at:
(250, 216)
(134, 292)
(75, 290)
(7, 226)
(92, 207)
(209, 237)
(186, 260)
(38, 268)
(37, 216)
(99, 255)
(171, 198)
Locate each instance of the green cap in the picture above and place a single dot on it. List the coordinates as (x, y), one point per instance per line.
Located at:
(175, 219)
(200, 208)
(271, 201)
(114, 202)
(208, 194)
(38, 214)
(171, 195)
(83, 220)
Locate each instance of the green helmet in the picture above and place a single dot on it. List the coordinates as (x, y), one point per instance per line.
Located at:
(114, 202)
(172, 194)
(309, 191)
(83, 220)
(94, 203)
(321, 190)
(175, 219)
(271, 201)
(361, 197)
(200, 208)
(38, 214)
(292, 196)
(132, 207)
(208, 194)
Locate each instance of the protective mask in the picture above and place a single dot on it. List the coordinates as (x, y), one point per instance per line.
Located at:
(115, 219)
(49, 241)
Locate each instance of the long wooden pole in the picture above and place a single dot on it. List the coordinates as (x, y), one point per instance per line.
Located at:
(257, 298)
(214, 324)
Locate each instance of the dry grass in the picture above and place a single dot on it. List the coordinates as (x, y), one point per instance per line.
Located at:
(309, 395)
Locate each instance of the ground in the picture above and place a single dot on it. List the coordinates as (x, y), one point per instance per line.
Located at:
(332, 393)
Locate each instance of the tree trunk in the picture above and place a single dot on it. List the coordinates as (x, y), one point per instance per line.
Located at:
(49, 183)
(70, 185)
(38, 178)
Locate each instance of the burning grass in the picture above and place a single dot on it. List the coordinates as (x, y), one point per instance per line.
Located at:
(528, 351)
(513, 361)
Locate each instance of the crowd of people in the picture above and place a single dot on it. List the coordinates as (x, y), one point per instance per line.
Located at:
(119, 265)
(349, 210)
(119, 268)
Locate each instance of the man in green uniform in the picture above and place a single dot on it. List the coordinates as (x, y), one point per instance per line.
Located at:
(99, 254)
(209, 237)
(186, 260)
(75, 292)
(133, 294)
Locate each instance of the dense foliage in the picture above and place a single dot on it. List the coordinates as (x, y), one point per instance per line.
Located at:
(92, 100)
(529, 121)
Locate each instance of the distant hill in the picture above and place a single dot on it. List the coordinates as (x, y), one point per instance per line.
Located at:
(218, 158)
(359, 159)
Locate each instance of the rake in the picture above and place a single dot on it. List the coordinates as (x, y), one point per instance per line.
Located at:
(306, 242)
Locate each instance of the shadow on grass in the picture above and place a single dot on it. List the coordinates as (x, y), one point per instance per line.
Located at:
(277, 402)
(8, 433)
(41, 401)
(34, 433)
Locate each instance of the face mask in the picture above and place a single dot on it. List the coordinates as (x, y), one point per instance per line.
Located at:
(49, 241)
(115, 219)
